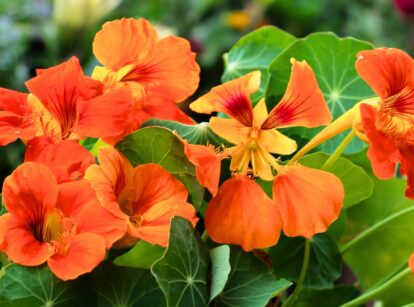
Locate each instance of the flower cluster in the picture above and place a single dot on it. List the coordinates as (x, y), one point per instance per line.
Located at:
(67, 209)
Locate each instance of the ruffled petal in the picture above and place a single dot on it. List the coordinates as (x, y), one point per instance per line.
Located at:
(388, 71)
(208, 165)
(308, 200)
(383, 152)
(78, 201)
(15, 117)
(85, 252)
(303, 103)
(67, 160)
(104, 116)
(153, 184)
(169, 71)
(124, 41)
(231, 98)
(22, 246)
(30, 192)
(242, 214)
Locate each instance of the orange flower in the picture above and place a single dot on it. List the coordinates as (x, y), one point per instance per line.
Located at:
(16, 119)
(67, 160)
(61, 224)
(159, 73)
(145, 197)
(71, 106)
(254, 131)
(389, 124)
(241, 213)
(308, 200)
(411, 263)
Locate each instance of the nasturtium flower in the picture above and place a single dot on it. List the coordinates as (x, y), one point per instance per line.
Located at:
(146, 197)
(241, 213)
(253, 131)
(16, 118)
(308, 200)
(389, 123)
(70, 106)
(159, 72)
(411, 263)
(61, 224)
(68, 160)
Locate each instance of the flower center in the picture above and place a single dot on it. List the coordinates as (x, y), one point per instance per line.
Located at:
(57, 230)
(135, 220)
(400, 128)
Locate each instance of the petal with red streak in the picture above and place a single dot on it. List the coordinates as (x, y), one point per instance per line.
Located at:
(242, 214)
(303, 103)
(85, 252)
(67, 160)
(383, 152)
(309, 200)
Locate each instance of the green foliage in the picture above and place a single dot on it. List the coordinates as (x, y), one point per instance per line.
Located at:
(194, 134)
(325, 263)
(357, 184)
(121, 286)
(37, 286)
(220, 269)
(182, 273)
(142, 255)
(330, 297)
(251, 282)
(255, 51)
(332, 60)
(161, 146)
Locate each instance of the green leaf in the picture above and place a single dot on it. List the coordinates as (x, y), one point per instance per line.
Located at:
(161, 146)
(330, 298)
(37, 286)
(251, 282)
(389, 246)
(325, 263)
(220, 269)
(332, 59)
(88, 143)
(194, 134)
(255, 51)
(141, 256)
(121, 286)
(357, 184)
(182, 273)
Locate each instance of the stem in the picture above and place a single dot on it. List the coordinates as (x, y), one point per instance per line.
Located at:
(302, 275)
(204, 236)
(367, 296)
(338, 151)
(373, 228)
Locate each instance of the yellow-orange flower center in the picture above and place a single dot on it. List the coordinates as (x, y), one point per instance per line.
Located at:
(57, 230)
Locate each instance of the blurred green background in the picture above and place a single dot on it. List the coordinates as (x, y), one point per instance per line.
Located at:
(42, 33)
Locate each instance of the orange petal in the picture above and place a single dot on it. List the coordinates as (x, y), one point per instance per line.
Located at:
(387, 70)
(230, 129)
(169, 71)
(383, 152)
(407, 168)
(104, 116)
(3, 229)
(303, 103)
(156, 221)
(85, 252)
(241, 213)
(275, 142)
(22, 246)
(309, 200)
(15, 117)
(208, 165)
(411, 263)
(112, 181)
(231, 98)
(67, 160)
(30, 192)
(153, 184)
(124, 41)
(78, 201)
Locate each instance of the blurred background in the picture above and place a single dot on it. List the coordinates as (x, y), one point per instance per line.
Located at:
(42, 33)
